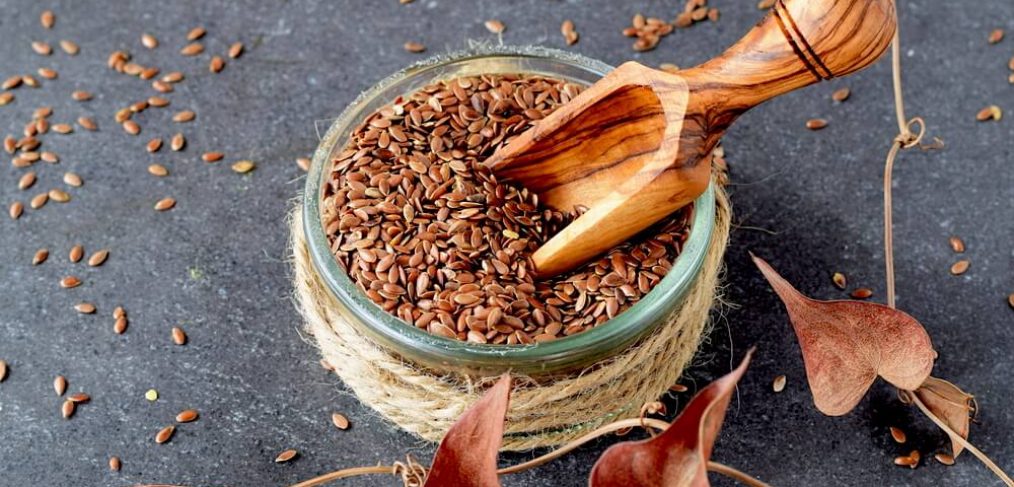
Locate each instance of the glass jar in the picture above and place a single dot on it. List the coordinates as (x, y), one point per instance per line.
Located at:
(444, 354)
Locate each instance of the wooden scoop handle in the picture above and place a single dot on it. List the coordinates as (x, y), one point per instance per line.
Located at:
(800, 43)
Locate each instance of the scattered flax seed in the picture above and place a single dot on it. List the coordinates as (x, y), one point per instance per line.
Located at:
(158, 101)
(286, 456)
(161, 86)
(120, 325)
(87, 123)
(216, 64)
(154, 144)
(495, 26)
(115, 464)
(816, 123)
(3, 370)
(243, 167)
(16, 209)
(995, 36)
(11, 83)
(779, 384)
(960, 267)
(911, 460)
(957, 245)
(991, 112)
(47, 19)
(79, 397)
(98, 258)
(196, 33)
(76, 253)
(158, 170)
(27, 180)
(179, 336)
(48, 73)
(177, 142)
(131, 127)
(184, 116)
(187, 416)
(570, 35)
(164, 434)
(841, 95)
(39, 200)
(173, 77)
(63, 128)
(149, 41)
(678, 388)
(81, 95)
(60, 385)
(59, 195)
(415, 47)
(85, 308)
(6, 97)
(839, 280)
(235, 50)
(67, 410)
(40, 256)
(42, 48)
(303, 163)
(151, 395)
(898, 435)
(70, 282)
(192, 49)
(944, 459)
(212, 156)
(1010, 300)
(165, 204)
(70, 47)
(72, 179)
(49, 157)
(119, 312)
(340, 421)
(862, 293)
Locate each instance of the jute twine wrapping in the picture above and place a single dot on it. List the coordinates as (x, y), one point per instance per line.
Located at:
(542, 412)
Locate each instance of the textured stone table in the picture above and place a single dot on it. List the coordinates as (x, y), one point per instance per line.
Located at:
(216, 264)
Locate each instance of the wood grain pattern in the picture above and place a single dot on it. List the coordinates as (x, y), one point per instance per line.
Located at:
(636, 145)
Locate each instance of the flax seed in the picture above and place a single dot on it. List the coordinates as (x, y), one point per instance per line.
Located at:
(154, 145)
(957, 245)
(59, 195)
(79, 397)
(192, 49)
(164, 434)
(87, 123)
(991, 112)
(81, 95)
(340, 421)
(841, 95)
(173, 77)
(995, 36)
(39, 200)
(816, 123)
(779, 384)
(303, 163)
(414, 47)
(131, 127)
(76, 254)
(6, 97)
(42, 48)
(177, 142)
(60, 385)
(67, 410)
(187, 416)
(48, 73)
(196, 33)
(98, 258)
(184, 116)
(115, 464)
(15, 210)
(158, 101)
(944, 459)
(212, 156)
(179, 336)
(70, 47)
(3, 370)
(120, 325)
(862, 293)
(72, 179)
(149, 41)
(158, 170)
(27, 180)
(47, 19)
(286, 456)
(898, 435)
(165, 204)
(40, 256)
(494, 26)
(243, 167)
(70, 282)
(63, 128)
(49, 157)
(959, 267)
(85, 308)
(235, 50)
(216, 64)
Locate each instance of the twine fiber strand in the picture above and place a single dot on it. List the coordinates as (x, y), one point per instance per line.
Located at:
(547, 413)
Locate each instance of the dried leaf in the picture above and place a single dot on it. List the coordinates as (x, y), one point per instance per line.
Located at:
(678, 457)
(949, 403)
(467, 454)
(847, 344)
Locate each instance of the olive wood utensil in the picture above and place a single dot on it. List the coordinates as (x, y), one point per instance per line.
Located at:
(636, 145)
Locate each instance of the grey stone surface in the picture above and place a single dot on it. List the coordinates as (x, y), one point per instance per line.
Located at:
(216, 265)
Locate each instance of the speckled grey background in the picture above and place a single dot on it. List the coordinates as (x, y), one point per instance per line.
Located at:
(215, 265)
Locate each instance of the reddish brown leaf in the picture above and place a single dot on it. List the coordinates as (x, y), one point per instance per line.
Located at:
(847, 344)
(949, 403)
(678, 457)
(467, 455)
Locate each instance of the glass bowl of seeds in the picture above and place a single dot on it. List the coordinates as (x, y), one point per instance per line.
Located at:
(428, 253)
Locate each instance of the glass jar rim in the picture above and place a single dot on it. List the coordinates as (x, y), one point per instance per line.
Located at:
(449, 354)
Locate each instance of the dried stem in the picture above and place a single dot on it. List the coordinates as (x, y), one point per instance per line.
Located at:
(345, 473)
(958, 438)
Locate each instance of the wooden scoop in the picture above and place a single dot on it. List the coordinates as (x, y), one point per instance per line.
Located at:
(636, 145)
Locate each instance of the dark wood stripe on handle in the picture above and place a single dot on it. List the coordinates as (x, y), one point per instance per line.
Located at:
(822, 68)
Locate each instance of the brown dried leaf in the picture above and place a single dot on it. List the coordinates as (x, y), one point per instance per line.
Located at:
(467, 454)
(949, 403)
(847, 344)
(678, 457)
